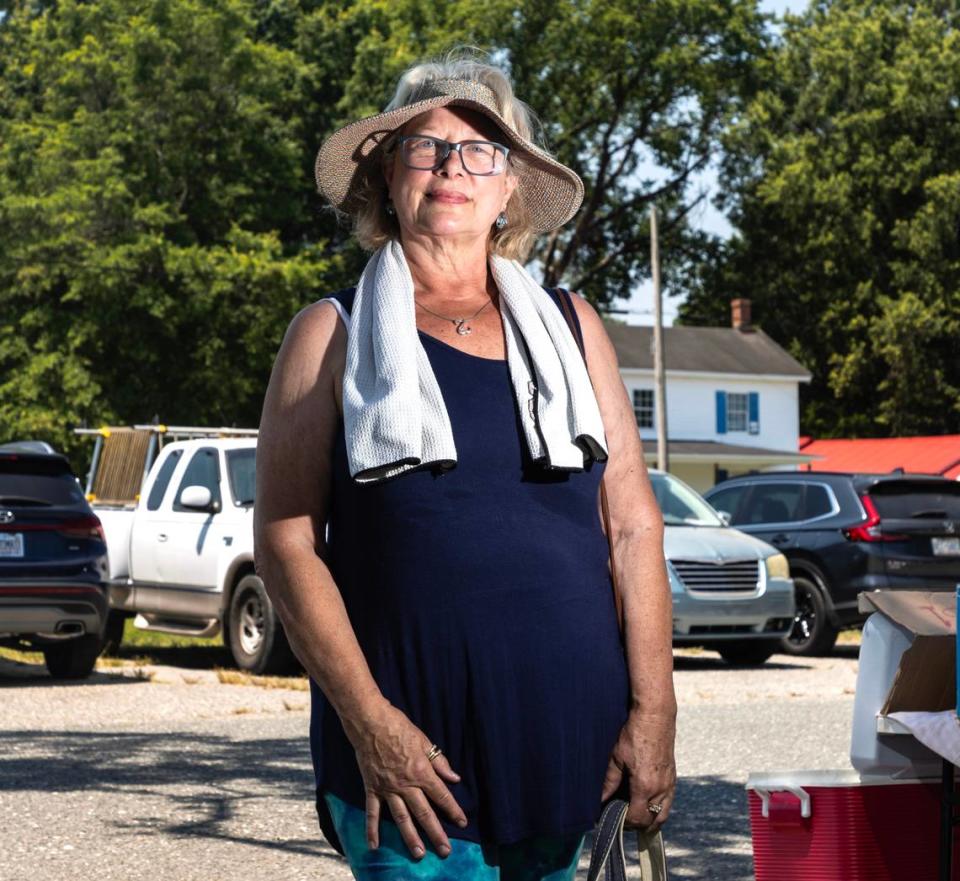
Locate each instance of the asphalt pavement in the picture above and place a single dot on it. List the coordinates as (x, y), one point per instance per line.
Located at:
(167, 774)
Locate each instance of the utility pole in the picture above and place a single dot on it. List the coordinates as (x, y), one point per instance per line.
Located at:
(660, 390)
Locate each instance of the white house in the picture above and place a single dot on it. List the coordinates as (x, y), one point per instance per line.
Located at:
(732, 397)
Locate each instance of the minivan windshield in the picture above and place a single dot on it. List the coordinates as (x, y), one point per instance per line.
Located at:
(680, 505)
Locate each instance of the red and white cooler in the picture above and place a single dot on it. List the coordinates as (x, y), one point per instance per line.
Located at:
(842, 826)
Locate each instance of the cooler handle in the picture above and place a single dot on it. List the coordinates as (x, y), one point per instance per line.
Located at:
(799, 792)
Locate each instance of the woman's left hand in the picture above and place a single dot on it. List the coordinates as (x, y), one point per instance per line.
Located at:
(644, 752)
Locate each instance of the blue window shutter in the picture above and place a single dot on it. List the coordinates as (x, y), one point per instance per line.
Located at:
(754, 413)
(721, 412)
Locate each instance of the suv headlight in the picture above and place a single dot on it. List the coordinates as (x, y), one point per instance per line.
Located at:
(777, 566)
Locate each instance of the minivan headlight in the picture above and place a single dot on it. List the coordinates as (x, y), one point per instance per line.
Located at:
(777, 566)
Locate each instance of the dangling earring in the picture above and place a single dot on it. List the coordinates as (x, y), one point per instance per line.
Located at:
(501, 221)
(391, 211)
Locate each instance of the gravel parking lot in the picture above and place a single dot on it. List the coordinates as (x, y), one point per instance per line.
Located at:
(184, 778)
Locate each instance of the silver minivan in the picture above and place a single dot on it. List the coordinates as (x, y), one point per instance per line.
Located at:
(731, 592)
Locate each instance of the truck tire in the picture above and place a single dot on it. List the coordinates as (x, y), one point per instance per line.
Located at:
(113, 636)
(748, 652)
(74, 658)
(812, 632)
(256, 638)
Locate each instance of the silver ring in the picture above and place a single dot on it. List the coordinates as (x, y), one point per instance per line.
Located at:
(654, 809)
(434, 752)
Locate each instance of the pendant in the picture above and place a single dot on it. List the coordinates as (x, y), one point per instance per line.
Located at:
(462, 329)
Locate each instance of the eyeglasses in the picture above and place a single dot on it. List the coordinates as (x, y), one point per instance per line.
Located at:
(425, 153)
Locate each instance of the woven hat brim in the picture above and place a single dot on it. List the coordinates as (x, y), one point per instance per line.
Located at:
(551, 191)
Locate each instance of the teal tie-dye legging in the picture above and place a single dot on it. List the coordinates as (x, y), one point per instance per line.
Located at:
(534, 859)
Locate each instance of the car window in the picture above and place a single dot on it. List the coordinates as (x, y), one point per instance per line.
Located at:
(817, 502)
(26, 482)
(902, 499)
(680, 505)
(203, 470)
(159, 488)
(728, 500)
(241, 470)
(774, 503)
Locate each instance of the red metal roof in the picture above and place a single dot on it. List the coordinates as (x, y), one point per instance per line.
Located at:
(923, 455)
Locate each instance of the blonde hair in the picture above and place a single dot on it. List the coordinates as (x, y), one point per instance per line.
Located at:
(372, 225)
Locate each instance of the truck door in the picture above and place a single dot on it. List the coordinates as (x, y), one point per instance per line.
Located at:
(150, 532)
(195, 540)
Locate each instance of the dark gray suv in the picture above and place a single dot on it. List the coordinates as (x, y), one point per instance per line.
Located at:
(53, 561)
(846, 533)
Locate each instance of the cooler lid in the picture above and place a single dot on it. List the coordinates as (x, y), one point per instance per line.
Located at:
(839, 777)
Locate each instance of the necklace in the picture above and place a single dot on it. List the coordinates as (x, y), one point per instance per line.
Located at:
(459, 323)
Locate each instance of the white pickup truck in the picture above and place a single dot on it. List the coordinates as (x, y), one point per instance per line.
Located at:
(181, 556)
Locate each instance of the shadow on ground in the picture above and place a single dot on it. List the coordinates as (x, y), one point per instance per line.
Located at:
(707, 835)
(203, 780)
(19, 674)
(710, 660)
(189, 785)
(201, 657)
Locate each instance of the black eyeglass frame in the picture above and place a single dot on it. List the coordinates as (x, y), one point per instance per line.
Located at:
(450, 147)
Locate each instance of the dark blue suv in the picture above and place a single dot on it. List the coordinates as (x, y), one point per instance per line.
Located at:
(846, 533)
(53, 561)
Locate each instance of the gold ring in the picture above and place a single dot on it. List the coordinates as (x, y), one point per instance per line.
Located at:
(654, 809)
(434, 752)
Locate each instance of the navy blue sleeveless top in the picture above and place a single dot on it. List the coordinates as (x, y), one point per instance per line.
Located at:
(481, 598)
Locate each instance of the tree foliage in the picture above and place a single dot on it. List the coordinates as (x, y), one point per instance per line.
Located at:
(159, 224)
(153, 218)
(843, 179)
(632, 96)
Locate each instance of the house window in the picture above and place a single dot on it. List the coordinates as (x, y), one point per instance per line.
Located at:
(643, 407)
(736, 411)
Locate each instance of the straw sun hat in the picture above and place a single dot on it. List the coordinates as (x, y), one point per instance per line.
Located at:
(551, 192)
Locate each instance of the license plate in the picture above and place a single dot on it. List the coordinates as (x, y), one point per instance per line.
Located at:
(946, 547)
(11, 544)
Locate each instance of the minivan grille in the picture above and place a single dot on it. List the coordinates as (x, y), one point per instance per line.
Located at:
(739, 576)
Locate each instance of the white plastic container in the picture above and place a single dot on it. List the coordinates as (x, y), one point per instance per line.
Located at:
(889, 755)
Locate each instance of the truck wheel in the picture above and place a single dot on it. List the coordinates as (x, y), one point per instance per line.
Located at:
(257, 641)
(748, 653)
(74, 658)
(812, 632)
(113, 636)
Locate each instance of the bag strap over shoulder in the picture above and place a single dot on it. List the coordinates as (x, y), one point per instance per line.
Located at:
(566, 306)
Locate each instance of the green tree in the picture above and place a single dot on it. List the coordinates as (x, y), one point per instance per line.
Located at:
(154, 222)
(843, 181)
(159, 224)
(632, 96)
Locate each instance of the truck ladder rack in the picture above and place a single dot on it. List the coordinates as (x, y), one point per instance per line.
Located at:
(123, 455)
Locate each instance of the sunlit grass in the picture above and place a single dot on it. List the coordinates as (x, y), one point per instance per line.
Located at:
(20, 656)
(238, 677)
(133, 637)
(106, 661)
(849, 637)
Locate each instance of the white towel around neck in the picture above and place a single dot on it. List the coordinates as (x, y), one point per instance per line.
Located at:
(395, 419)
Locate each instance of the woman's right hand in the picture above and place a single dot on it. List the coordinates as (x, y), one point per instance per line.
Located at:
(392, 755)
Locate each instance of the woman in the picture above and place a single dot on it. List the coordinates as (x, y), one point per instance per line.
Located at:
(427, 514)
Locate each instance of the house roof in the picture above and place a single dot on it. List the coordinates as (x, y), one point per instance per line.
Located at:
(705, 349)
(702, 450)
(921, 455)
